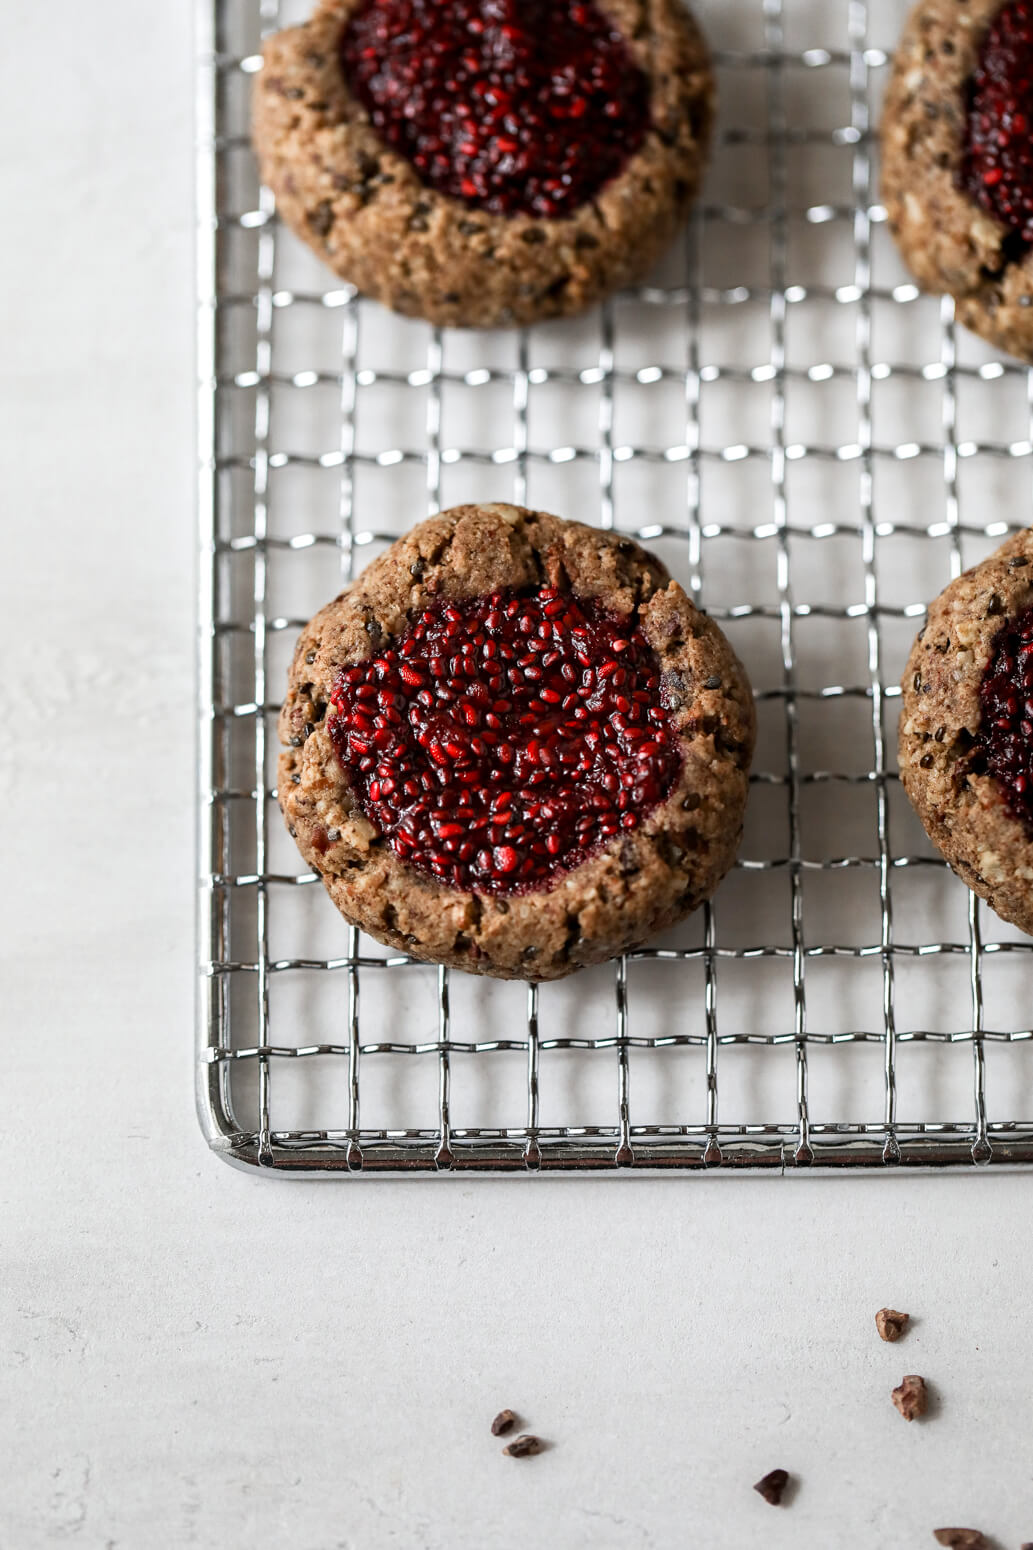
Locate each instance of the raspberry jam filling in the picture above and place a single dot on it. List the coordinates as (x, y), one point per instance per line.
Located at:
(1006, 733)
(997, 161)
(514, 106)
(499, 742)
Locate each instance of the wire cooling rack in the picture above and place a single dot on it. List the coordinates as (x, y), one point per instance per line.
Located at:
(815, 452)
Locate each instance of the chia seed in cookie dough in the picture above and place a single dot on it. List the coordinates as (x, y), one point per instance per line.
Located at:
(490, 162)
(514, 746)
(966, 729)
(957, 152)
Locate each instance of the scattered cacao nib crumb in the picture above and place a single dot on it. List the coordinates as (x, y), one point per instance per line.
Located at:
(772, 1486)
(504, 1422)
(961, 1538)
(524, 1446)
(911, 1396)
(891, 1324)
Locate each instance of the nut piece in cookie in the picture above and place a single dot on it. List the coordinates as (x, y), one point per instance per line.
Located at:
(486, 162)
(514, 746)
(966, 728)
(957, 161)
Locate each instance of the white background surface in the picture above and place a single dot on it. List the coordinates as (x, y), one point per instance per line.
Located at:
(196, 1357)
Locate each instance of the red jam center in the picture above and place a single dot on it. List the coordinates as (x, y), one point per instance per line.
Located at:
(501, 741)
(515, 106)
(997, 165)
(1006, 734)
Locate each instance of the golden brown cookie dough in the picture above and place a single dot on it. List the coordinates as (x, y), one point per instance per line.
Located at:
(640, 881)
(949, 242)
(943, 763)
(364, 209)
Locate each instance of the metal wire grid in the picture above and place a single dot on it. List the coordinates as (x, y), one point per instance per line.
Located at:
(253, 393)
